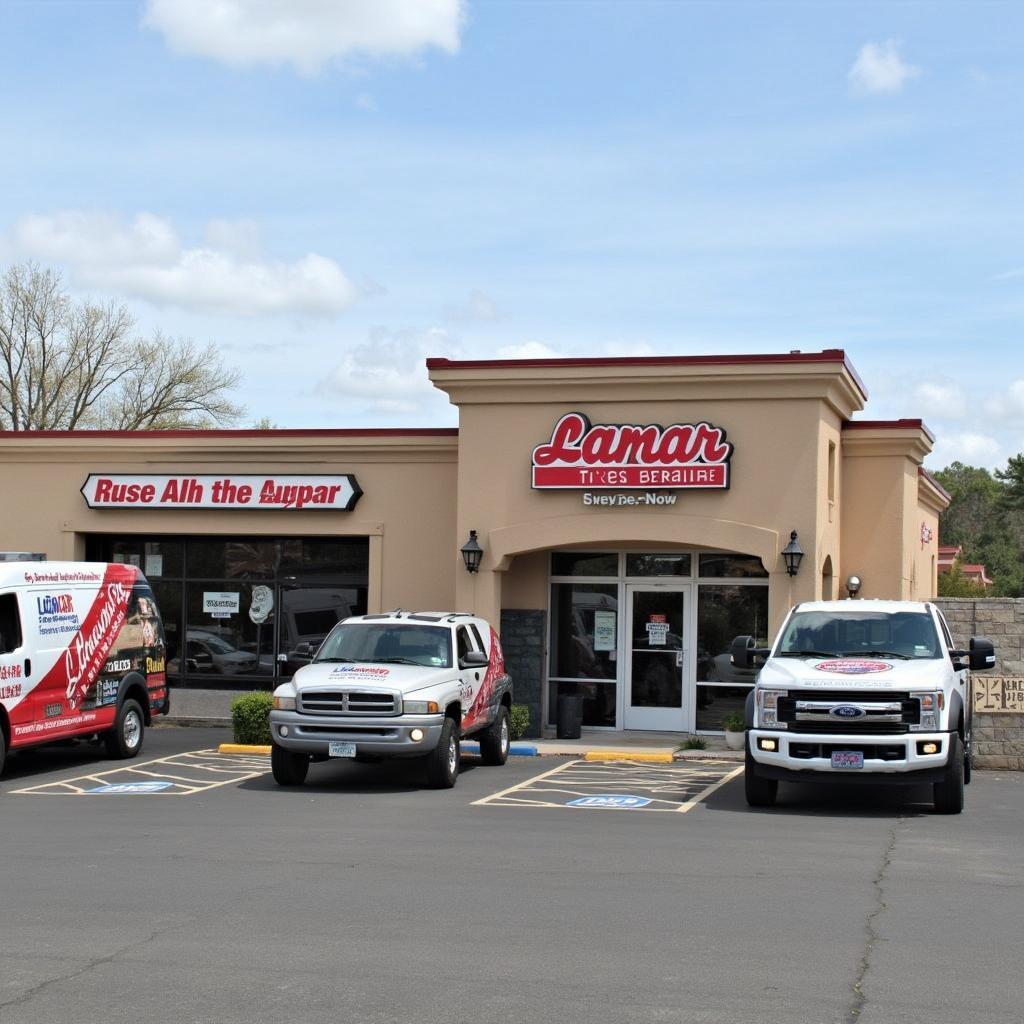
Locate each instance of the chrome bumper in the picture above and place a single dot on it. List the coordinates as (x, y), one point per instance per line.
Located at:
(390, 735)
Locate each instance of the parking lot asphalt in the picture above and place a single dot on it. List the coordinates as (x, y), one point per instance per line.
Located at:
(365, 897)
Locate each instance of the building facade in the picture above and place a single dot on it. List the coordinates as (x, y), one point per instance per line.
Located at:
(632, 515)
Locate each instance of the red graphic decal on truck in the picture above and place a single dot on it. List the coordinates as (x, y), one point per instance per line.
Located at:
(683, 455)
(87, 651)
(495, 670)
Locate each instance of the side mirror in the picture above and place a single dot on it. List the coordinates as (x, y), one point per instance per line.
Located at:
(982, 654)
(742, 652)
(473, 659)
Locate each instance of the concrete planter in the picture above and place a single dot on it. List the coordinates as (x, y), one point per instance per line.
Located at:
(735, 740)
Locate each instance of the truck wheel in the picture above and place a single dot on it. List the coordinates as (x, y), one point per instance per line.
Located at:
(948, 795)
(494, 740)
(289, 769)
(125, 739)
(443, 760)
(759, 792)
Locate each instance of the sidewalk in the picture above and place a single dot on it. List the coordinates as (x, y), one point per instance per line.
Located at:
(212, 708)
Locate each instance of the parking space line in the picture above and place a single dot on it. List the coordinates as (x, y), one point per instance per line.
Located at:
(619, 785)
(212, 771)
(521, 785)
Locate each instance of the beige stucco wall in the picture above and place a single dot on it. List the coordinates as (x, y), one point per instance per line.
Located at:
(407, 508)
(883, 512)
(779, 425)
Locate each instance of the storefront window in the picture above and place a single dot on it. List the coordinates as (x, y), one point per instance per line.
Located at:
(732, 566)
(584, 563)
(231, 559)
(168, 600)
(725, 612)
(658, 565)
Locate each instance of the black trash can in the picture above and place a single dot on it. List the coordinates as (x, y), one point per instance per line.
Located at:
(570, 716)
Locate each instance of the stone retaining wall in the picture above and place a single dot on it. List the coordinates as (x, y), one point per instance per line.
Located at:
(998, 704)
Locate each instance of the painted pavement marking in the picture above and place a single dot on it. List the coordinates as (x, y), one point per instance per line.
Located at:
(619, 785)
(195, 771)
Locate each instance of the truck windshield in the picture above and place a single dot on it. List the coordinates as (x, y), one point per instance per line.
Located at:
(850, 634)
(388, 643)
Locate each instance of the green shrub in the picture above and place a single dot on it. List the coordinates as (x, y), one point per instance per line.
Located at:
(693, 743)
(734, 722)
(518, 720)
(250, 717)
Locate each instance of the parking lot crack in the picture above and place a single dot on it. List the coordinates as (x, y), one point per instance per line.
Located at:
(871, 937)
(89, 965)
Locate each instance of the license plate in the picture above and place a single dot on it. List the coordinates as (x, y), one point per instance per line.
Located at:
(337, 748)
(847, 759)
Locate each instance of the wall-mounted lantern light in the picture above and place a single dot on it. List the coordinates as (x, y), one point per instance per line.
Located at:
(853, 586)
(472, 553)
(792, 555)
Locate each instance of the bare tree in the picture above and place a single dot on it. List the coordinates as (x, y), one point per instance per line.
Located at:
(68, 365)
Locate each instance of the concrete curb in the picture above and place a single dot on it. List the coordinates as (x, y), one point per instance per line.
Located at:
(627, 755)
(244, 748)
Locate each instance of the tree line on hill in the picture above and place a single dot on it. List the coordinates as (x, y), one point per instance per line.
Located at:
(986, 518)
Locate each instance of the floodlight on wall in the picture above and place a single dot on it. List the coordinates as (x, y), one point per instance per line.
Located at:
(852, 585)
(792, 555)
(472, 553)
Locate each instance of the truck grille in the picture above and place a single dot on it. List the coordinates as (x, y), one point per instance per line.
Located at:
(884, 713)
(349, 702)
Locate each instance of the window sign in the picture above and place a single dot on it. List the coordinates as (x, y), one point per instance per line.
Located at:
(604, 631)
(657, 630)
(262, 604)
(154, 565)
(221, 604)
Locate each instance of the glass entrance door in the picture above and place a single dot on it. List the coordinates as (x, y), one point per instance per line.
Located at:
(657, 658)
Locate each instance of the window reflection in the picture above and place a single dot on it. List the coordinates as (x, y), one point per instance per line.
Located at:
(583, 630)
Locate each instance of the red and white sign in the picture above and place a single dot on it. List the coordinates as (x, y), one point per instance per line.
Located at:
(268, 493)
(850, 667)
(622, 456)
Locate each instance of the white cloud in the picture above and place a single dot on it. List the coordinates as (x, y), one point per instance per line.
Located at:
(968, 447)
(477, 307)
(304, 33)
(145, 258)
(939, 398)
(528, 350)
(1010, 404)
(388, 372)
(365, 101)
(879, 68)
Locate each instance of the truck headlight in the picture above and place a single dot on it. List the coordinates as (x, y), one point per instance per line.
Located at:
(932, 704)
(420, 707)
(768, 708)
(284, 703)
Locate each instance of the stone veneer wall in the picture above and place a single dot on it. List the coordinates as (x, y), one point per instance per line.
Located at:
(998, 737)
(522, 640)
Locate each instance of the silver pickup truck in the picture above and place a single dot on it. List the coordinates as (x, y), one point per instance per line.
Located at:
(400, 684)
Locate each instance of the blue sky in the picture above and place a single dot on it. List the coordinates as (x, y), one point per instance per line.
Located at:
(331, 191)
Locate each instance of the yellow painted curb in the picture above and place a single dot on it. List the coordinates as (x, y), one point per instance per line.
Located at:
(625, 755)
(242, 748)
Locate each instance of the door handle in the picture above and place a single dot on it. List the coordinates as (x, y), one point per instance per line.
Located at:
(28, 667)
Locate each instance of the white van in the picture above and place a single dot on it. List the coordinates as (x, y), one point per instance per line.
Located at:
(82, 653)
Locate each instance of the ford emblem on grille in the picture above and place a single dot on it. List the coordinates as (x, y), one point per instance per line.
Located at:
(847, 711)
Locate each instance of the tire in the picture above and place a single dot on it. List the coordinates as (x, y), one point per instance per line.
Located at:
(948, 795)
(290, 769)
(443, 760)
(759, 792)
(125, 739)
(496, 739)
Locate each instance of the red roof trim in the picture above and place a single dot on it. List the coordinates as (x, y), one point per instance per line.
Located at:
(921, 471)
(889, 425)
(829, 355)
(369, 432)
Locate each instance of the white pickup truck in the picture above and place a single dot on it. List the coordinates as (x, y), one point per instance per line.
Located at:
(400, 684)
(861, 691)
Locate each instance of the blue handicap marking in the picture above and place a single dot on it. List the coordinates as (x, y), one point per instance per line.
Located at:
(608, 800)
(155, 786)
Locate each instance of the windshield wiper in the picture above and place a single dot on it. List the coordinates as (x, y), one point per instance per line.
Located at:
(396, 661)
(333, 661)
(876, 654)
(807, 654)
